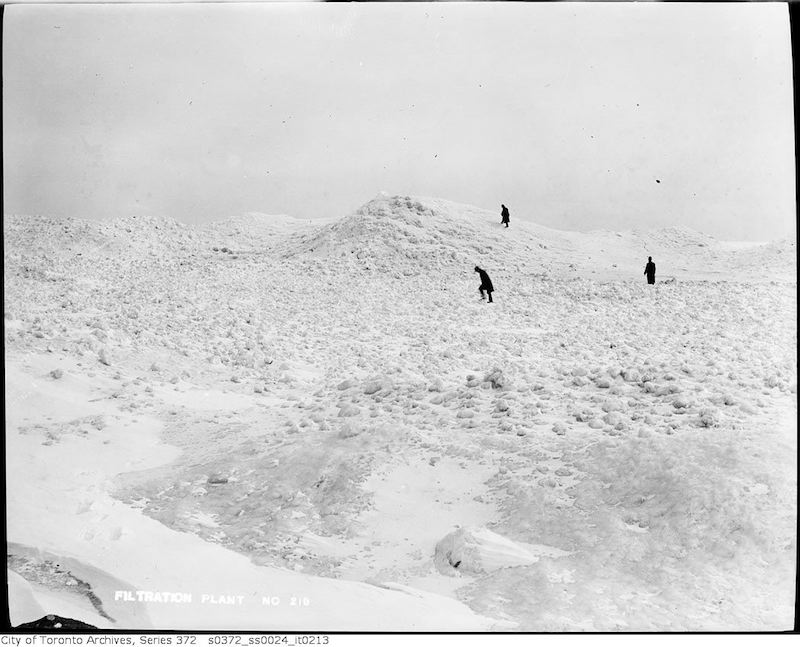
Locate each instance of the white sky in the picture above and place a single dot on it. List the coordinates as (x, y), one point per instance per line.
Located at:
(568, 113)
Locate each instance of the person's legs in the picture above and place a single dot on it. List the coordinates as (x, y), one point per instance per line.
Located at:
(490, 295)
(483, 296)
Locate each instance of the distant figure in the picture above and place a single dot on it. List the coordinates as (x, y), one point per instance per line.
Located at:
(486, 284)
(504, 215)
(650, 270)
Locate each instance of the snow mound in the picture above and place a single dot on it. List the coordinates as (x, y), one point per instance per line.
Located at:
(479, 550)
(37, 238)
(402, 233)
(144, 235)
(776, 259)
(408, 236)
(680, 237)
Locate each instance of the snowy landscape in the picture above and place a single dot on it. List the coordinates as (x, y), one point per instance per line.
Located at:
(317, 424)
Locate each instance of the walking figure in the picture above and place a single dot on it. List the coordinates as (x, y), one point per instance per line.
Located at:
(504, 215)
(486, 284)
(650, 270)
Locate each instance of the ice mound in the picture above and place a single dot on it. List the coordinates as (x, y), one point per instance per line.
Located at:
(416, 235)
(680, 237)
(773, 260)
(401, 208)
(401, 233)
(479, 550)
(57, 240)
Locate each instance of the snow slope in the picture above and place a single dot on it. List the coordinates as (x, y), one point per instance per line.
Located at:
(268, 407)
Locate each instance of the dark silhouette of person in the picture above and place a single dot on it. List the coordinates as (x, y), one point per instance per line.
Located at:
(504, 215)
(650, 270)
(486, 284)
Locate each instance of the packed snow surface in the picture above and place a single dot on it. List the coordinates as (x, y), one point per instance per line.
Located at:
(272, 423)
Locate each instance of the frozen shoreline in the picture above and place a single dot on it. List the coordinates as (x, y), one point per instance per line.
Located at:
(176, 424)
(118, 540)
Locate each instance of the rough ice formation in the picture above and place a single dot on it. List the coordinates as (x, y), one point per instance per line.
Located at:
(479, 550)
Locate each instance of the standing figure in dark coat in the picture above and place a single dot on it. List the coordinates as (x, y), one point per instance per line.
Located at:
(486, 284)
(504, 215)
(650, 270)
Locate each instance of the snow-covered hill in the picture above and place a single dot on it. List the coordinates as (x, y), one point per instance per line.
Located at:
(272, 407)
(412, 236)
(423, 235)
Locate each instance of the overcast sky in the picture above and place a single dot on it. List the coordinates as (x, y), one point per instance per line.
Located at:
(576, 116)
